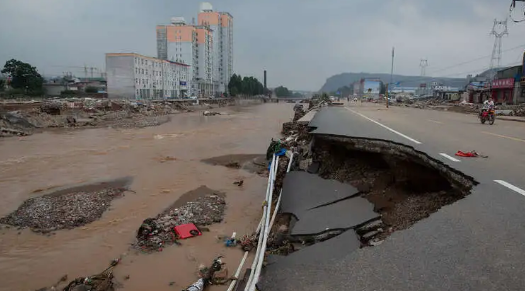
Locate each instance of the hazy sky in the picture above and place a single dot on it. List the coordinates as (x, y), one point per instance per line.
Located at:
(299, 42)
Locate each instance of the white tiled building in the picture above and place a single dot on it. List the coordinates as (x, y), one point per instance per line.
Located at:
(133, 76)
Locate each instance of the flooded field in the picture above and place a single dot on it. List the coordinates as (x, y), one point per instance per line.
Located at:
(164, 162)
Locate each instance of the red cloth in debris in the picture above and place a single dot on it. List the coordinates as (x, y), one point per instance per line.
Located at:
(187, 230)
(467, 155)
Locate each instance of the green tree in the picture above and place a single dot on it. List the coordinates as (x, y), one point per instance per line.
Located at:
(23, 76)
(234, 85)
(91, 89)
(282, 91)
(344, 91)
(248, 86)
(382, 89)
(2, 85)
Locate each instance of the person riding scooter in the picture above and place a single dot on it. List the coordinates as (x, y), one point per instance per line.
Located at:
(487, 105)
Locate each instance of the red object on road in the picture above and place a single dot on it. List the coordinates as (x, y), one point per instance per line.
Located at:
(187, 230)
(467, 155)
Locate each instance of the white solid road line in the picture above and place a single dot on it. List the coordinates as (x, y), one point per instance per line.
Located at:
(386, 127)
(449, 157)
(511, 187)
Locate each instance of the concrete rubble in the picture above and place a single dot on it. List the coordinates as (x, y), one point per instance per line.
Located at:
(462, 107)
(65, 210)
(155, 233)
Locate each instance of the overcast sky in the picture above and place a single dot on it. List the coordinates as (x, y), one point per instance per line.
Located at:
(299, 42)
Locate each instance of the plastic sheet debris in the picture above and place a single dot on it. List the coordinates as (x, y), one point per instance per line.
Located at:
(471, 154)
(188, 230)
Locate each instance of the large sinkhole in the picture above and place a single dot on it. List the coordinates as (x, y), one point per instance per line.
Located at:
(402, 185)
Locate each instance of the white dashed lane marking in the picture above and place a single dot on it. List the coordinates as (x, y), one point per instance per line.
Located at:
(450, 157)
(385, 127)
(511, 187)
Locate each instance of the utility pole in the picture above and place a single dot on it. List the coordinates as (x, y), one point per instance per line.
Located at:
(391, 70)
(386, 95)
(423, 64)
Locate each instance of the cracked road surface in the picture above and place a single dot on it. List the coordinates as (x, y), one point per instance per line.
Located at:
(473, 244)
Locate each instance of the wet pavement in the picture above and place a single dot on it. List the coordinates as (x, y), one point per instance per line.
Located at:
(165, 162)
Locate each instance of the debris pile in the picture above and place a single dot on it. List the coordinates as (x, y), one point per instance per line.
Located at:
(216, 274)
(63, 210)
(520, 110)
(156, 232)
(210, 113)
(22, 117)
(98, 282)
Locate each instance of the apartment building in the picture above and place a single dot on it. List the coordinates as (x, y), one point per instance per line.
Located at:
(221, 25)
(134, 76)
(191, 45)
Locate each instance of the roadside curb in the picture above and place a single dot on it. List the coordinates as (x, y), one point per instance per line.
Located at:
(511, 119)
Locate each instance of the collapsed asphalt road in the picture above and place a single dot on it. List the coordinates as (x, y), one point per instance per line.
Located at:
(472, 244)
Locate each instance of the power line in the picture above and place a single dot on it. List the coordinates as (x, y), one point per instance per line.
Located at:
(476, 59)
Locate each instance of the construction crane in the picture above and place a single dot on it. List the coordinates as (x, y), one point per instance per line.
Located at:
(513, 7)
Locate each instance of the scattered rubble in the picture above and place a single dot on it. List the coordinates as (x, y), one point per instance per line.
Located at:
(64, 209)
(98, 282)
(23, 118)
(155, 233)
(210, 113)
(461, 107)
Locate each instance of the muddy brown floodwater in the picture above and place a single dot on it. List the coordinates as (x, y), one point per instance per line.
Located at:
(165, 162)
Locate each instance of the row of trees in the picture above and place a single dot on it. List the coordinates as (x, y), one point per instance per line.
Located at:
(248, 86)
(282, 91)
(24, 78)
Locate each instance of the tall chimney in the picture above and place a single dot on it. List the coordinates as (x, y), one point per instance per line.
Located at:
(265, 79)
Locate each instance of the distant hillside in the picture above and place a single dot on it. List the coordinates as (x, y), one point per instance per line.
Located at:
(345, 79)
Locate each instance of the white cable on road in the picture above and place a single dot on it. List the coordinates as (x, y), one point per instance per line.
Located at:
(386, 127)
(263, 228)
(238, 272)
(260, 259)
(257, 271)
(276, 210)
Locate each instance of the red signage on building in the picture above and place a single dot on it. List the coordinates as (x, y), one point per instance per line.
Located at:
(503, 83)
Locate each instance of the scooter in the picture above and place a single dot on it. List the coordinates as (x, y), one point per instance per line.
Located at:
(487, 115)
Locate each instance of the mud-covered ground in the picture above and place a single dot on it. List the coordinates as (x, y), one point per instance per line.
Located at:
(165, 162)
(26, 120)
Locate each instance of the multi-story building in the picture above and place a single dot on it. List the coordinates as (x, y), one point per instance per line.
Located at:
(133, 76)
(221, 25)
(191, 45)
(207, 48)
